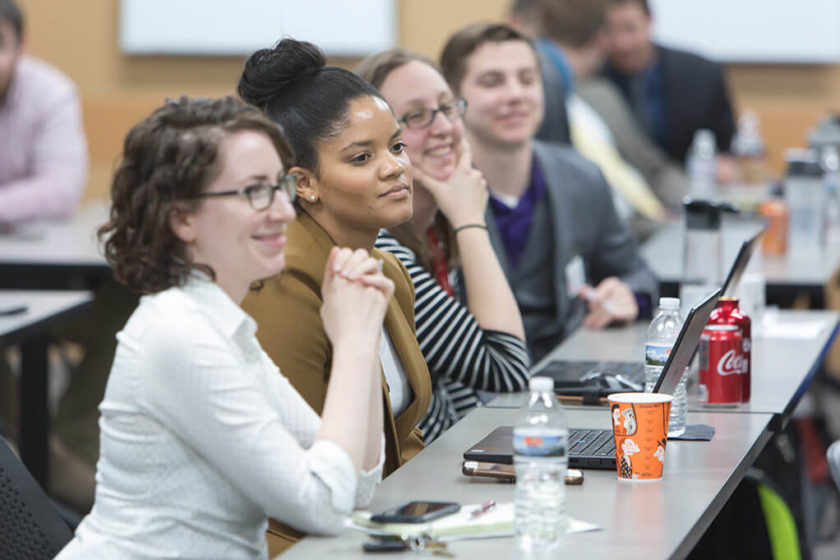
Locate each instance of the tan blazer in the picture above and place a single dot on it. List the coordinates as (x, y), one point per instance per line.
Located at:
(290, 330)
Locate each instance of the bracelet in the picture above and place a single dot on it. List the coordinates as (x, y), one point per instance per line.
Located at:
(479, 226)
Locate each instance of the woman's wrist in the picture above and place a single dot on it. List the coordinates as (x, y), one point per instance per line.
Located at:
(468, 226)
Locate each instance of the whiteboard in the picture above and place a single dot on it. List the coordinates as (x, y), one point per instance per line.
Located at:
(766, 31)
(239, 27)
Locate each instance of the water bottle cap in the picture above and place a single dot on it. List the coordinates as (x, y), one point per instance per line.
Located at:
(669, 303)
(541, 384)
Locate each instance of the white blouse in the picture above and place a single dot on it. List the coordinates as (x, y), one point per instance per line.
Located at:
(202, 438)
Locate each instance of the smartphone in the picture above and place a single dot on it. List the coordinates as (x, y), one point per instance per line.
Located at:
(416, 512)
(574, 477)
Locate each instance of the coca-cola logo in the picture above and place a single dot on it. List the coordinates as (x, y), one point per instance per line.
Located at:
(730, 363)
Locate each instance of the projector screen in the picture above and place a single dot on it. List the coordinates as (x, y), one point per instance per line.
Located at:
(764, 31)
(223, 27)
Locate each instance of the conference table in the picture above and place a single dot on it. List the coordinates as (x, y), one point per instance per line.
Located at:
(647, 520)
(799, 270)
(55, 254)
(36, 312)
(788, 348)
(662, 519)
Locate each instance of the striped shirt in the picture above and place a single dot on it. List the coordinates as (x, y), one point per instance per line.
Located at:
(462, 357)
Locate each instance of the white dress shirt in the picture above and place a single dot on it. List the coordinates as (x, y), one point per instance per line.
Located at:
(202, 438)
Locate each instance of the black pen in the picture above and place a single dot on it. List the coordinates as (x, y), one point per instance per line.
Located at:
(13, 310)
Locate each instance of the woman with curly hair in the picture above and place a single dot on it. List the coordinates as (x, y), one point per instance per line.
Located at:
(202, 438)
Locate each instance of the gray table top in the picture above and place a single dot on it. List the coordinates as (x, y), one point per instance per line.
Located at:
(69, 242)
(798, 268)
(41, 307)
(786, 353)
(662, 519)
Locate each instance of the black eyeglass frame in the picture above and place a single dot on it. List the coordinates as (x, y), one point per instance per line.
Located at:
(460, 105)
(287, 184)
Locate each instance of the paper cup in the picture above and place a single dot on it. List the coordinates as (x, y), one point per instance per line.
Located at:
(640, 427)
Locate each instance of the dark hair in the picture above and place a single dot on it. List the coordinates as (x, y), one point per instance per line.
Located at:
(459, 47)
(572, 22)
(310, 100)
(167, 158)
(375, 69)
(527, 11)
(10, 12)
(643, 4)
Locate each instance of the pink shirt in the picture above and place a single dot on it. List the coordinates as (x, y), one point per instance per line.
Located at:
(43, 151)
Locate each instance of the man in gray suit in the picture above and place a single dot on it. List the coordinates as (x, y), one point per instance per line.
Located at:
(567, 256)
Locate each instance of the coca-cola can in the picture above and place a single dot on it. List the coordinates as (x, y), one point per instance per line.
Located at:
(721, 363)
(728, 312)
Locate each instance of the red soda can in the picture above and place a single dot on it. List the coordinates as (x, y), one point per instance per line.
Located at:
(727, 312)
(721, 360)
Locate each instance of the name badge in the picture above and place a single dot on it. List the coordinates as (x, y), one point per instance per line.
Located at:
(575, 276)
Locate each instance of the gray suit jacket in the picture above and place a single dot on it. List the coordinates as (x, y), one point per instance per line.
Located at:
(584, 223)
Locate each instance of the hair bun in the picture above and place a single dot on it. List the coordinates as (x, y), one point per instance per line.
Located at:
(268, 72)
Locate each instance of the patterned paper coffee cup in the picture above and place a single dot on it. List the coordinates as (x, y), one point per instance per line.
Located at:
(640, 427)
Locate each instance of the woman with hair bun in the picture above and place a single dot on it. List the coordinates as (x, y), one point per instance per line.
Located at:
(468, 323)
(354, 178)
(202, 438)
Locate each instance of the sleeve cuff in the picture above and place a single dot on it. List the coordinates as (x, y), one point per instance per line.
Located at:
(331, 464)
(369, 480)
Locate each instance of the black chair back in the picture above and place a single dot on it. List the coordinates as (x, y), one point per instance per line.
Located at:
(30, 527)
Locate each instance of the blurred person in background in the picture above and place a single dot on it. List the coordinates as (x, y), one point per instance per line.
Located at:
(571, 35)
(43, 172)
(671, 92)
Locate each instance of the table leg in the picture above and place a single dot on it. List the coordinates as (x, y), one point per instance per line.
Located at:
(34, 410)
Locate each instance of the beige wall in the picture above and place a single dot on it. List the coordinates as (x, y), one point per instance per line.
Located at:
(81, 38)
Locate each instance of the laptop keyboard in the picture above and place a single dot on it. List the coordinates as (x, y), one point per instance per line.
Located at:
(591, 443)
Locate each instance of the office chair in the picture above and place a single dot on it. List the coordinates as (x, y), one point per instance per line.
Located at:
(30, 527)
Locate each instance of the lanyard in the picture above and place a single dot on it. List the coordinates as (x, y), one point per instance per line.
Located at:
(439, 261)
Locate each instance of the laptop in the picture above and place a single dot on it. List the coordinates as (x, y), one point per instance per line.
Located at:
(595, 449)
(594, 380)
(730, 285)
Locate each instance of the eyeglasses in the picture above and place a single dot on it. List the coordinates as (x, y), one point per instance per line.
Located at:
(261, 195)
(425, 117)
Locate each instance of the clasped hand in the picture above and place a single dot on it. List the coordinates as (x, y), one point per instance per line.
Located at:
(355, 294)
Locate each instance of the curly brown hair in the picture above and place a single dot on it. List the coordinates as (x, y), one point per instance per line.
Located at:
(169, 158)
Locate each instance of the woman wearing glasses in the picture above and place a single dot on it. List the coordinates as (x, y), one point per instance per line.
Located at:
(201, 437)
(468, 323)
(354, 178)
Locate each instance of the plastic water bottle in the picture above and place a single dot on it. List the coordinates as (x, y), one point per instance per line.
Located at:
(701, 165)
(540, 439)
(830, 161)
(662, 334)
